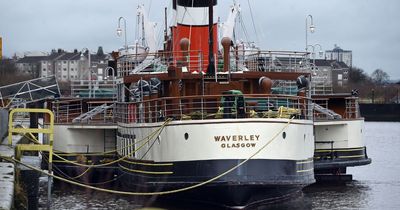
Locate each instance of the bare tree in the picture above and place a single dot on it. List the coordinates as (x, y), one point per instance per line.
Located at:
(380, 77)
(9, 73)
(357, 75)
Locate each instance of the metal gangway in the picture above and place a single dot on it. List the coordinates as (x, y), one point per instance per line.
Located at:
(22, 93)
(92, 113)
(329, 113)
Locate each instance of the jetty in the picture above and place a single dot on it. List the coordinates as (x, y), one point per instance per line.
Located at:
(7, 174)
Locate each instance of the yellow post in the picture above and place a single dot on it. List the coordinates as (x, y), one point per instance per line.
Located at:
(35, 147)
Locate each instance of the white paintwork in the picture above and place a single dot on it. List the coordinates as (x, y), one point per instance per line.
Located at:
(344, 133)
(149, 30)
(201, 144)
(91, 139)
(136, 53)
(193, 16)
(229, 24)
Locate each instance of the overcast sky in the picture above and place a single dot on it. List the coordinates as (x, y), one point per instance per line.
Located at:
(370, 28)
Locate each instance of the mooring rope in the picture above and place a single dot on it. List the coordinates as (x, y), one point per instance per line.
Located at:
(149, 138)
(156, 193)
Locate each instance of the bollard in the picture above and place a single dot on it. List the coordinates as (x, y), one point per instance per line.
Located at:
(30, 180)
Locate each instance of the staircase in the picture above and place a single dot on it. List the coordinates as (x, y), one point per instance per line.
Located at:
(329, 113)
(85, 117)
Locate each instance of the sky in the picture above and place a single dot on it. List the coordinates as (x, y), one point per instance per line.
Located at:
(370, 28)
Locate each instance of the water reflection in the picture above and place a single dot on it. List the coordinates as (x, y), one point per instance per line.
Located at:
(378, 186)
(353, 195)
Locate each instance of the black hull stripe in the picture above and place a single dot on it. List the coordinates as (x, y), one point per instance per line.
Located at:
(334, 164)
(254, 182)
(193, 26)
(268, 172)
(340, 153)
(196, 3)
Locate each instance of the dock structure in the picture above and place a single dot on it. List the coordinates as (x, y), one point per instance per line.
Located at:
(7, 174)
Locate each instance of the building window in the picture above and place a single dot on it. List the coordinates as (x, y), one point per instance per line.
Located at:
(44, 69)
(72, 69)
(72, 62)
(64, 62)
(65, 69)
(339, 76)
(100, 71)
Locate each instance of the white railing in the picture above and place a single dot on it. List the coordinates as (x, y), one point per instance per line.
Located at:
(213, 107)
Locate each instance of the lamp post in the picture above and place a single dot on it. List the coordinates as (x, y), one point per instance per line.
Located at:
(311, 28)
(313, 50)
(89, 70)
(112, 72)
(119, 30)
(113, 77)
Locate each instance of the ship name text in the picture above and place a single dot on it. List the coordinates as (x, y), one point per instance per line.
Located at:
(232, 141)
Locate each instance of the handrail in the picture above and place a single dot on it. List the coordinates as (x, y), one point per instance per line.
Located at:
(213, 107)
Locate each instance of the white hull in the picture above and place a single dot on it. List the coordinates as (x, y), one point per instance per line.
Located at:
(83, 138)
(343, 133)
(223, 139)
(338, 145)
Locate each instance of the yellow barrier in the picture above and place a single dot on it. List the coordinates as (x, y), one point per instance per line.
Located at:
(32, 147)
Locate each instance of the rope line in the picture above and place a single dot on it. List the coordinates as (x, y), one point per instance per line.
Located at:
(122, 158)
(162, 192)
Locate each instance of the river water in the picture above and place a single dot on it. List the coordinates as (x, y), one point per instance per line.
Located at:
(375, 186)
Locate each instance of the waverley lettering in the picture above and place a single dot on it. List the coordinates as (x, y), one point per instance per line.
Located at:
(237, 138)
(237, 141)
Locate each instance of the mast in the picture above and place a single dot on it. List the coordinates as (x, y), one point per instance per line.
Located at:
(211, 65)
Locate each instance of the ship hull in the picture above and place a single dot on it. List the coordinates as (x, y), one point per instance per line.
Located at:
(339, 145)
(212, 148)
(257, 181)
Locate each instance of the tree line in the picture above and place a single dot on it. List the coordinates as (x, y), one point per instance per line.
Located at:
(375, 88)
(9, 73)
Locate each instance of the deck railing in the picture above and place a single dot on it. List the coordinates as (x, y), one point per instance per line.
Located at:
(349, 109)
(69, 110)
(213, 107)
(94, 88)
(194, 61)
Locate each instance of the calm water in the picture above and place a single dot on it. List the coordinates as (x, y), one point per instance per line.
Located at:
(376, 186)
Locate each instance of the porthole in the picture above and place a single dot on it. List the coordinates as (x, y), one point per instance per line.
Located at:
(284, 135)
(186, 136)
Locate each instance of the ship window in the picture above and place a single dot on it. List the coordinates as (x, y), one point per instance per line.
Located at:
(284, 135)
(186, 136)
